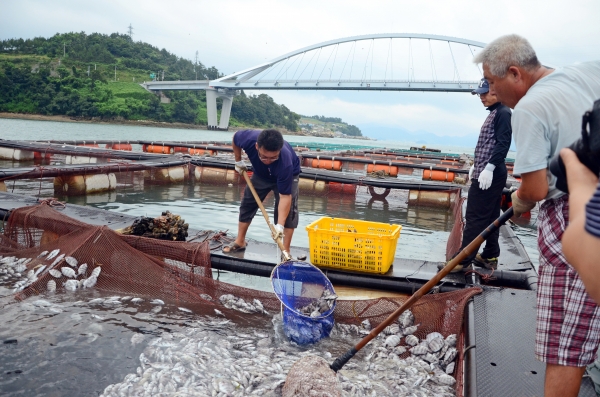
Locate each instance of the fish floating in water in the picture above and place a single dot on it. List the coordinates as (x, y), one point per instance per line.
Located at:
(239, 304)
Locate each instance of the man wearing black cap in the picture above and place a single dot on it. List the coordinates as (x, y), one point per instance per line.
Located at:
(488, 178)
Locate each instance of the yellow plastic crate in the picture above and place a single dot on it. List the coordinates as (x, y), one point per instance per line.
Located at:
(353, 245)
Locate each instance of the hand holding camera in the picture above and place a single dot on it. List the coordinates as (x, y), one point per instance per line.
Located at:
(586, 149)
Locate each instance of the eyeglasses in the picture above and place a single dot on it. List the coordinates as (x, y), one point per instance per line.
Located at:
(264, 158)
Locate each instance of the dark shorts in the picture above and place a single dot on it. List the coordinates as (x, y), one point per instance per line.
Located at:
(249, 207)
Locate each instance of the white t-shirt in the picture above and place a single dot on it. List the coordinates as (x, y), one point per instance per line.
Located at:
(548, 117)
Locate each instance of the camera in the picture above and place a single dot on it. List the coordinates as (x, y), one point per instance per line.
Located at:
(587, 148)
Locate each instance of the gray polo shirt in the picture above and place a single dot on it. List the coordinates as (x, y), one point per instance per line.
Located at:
(548, 117)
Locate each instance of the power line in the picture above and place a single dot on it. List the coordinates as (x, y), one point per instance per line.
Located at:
(130, 31)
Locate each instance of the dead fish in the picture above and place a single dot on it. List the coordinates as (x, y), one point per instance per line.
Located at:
(71, 285)
(406, 319)
(51, 286)
(436, 344)
(419, 350)
(433, 335)
(450, 355)
(219, 313)
(44, 253)
(57, 260)
(451, 340)
(39, 270)
(411, 340)
(366, 324)
(157, 302)
(430, 358)
(137, 300)
(96, 271)
(52, 254)
(89, 282)
(444, 379)
(207, 297)
(156, 309)
(71, 261)
(67, 271)
(183, 309)
(82, 269)
(55, 273)
(392, 341)
(391, 329)
(410, 330)
(450, 368)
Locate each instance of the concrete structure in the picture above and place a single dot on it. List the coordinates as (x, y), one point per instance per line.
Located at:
(289, 75)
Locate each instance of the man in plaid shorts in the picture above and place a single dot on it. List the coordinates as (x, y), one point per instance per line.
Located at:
(547, 108)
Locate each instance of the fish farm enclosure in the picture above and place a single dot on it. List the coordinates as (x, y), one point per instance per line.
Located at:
(90, 308)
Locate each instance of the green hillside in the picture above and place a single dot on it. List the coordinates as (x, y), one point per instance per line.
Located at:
(97, 76)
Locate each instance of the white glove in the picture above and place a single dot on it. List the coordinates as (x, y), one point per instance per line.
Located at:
(240, 166)
(278, 232)
(486, 176)
(471, 171)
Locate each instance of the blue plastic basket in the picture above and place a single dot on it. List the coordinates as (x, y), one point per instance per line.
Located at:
(298, 284)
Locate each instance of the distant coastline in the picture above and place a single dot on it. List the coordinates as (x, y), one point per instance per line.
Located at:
(145, 123)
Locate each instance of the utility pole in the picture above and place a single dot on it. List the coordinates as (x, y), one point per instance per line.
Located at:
(130, 30)
(88, 70)
(196, 66)
(115, 72)
(64, 49)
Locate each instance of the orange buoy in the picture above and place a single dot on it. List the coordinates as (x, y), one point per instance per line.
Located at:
(41, 155)
(89, 145)
(335, 165)
(120, 146)
(200, 152)
(342, 188)
(430, 175)
(180, 149)
(158, 149)
(388, 169)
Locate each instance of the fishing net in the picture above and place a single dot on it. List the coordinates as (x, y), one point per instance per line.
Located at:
(301, 288)
(180, 273)
(456, 234)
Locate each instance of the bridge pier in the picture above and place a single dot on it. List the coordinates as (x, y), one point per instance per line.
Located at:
(211, 108)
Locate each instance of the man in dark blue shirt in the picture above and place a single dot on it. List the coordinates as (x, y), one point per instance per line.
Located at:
(276, 168)
(488, 179)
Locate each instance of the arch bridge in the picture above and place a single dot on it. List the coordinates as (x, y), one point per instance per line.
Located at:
(376, 62)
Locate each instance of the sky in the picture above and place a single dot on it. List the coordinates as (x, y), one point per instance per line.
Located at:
(235, 35)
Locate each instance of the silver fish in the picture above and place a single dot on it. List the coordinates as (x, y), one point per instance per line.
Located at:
(392, 340)
(410, 330)
(430, 358)
(39, 270)
(406, 319)
(57, 260)
(366, 324)
(96, 271)
(82, 269)
(137, 300)
(67, 271)
(431, 336)
(71, 261)
(71, 285)
(44, 253)
(157, 302)
(451, 340)
(206, 297)
(391, 329)
(55, 273)
(52, 254)
(183, 309)
(450, 368)
(411, 340)
(90, 282)
(51, 286)
(436, 344)
(444, 379)
(419, 350)
(450, 355)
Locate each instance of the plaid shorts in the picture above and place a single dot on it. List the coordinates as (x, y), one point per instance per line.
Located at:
(568, 320)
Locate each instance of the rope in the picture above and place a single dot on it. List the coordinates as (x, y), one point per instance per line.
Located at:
(52, 202)
(484, 277)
